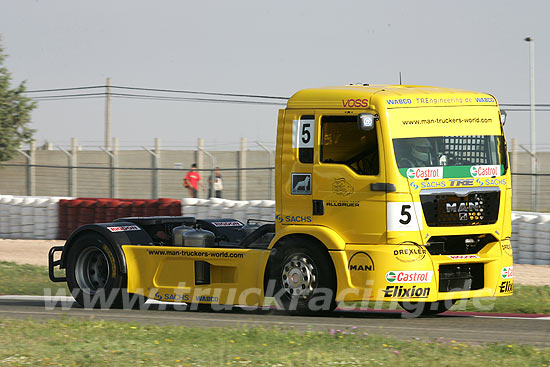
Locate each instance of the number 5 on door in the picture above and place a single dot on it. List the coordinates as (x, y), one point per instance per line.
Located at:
(404, 216)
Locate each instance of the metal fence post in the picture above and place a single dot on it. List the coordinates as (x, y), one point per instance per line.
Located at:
(514, 169)
(31, 161)
(113, 165)
(72, 163)
(271, 164)
(241, 181)
(155, 163)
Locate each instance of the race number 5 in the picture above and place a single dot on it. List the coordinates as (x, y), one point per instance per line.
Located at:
(404, 216)
(406, 213)
(303, 132)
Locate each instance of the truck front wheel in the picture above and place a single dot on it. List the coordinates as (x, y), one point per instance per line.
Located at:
(304, 278)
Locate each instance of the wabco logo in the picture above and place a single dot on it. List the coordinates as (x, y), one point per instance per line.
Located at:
(425, 172)
(409, 276)
(484, 171)
(355, 103)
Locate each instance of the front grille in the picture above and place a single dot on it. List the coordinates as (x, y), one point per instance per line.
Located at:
(458, 245)
(461, 277)
(460, 207)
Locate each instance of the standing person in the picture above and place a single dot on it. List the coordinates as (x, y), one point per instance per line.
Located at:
(192, 181)
(218, 183)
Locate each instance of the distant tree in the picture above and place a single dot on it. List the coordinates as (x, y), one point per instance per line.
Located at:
(15, 114)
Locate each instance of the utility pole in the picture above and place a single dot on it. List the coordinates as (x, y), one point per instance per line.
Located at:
(532, 142)
(108, 114)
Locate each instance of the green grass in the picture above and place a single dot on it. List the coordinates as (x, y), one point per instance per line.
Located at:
(32, 280)
(526, 299)
(97, 343)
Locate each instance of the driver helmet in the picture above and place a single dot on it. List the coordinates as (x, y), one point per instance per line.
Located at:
(420, 149)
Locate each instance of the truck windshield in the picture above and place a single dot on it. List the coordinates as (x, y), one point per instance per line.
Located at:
(438, 151)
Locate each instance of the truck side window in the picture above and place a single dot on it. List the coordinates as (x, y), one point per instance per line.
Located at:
(343, 143)
(306, 154)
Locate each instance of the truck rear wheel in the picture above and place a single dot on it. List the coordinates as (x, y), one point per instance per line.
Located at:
(93, 274)
(304, 278)
(427, 308)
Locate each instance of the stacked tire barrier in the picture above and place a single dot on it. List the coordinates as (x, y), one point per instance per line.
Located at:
(221, 208)
(74, 213)
(531, 238)
(29, 217)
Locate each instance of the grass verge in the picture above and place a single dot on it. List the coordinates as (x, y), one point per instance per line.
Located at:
(97, 343)
(32, 280)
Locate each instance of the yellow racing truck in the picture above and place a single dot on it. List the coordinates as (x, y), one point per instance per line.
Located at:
(383, 193)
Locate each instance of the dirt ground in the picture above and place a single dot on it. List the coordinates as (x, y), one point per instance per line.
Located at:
(35, 252)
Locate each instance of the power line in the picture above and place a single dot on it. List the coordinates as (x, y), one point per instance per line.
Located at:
(64, 89)
(151, 97)
(189, 99)
(159, 90)
(204, 93)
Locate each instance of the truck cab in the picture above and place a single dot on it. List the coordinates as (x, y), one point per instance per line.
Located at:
(405, 183)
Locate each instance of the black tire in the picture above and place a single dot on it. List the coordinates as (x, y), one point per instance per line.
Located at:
(94, 277)
(304, 277)
(427, 308)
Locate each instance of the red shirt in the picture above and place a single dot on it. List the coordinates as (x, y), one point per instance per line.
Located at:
(193, 178)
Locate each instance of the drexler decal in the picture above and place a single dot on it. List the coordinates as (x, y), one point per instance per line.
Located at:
(408, 253)
(124, 228)
(507, 248)
(399, 291)
(361, 261)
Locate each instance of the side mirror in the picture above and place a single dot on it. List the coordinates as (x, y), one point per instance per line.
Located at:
(503, 115)
(365, 121)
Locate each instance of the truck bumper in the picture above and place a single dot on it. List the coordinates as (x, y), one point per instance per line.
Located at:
(408, 272)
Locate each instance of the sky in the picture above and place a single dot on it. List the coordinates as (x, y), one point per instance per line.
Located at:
(257, 47)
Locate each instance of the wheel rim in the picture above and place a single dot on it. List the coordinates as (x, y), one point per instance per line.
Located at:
(299, 276)
(92, 270)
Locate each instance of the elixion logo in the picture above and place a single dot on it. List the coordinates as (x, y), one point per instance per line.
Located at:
(506, 287)
(398, 291)
(409, 276)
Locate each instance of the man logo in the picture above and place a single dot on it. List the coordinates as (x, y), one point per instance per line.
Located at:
(361, 261)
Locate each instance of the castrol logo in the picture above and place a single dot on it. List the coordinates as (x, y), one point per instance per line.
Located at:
(425, 172)
(485, 171)
(409, 276)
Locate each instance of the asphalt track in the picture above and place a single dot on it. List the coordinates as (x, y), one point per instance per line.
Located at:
(460, 327)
